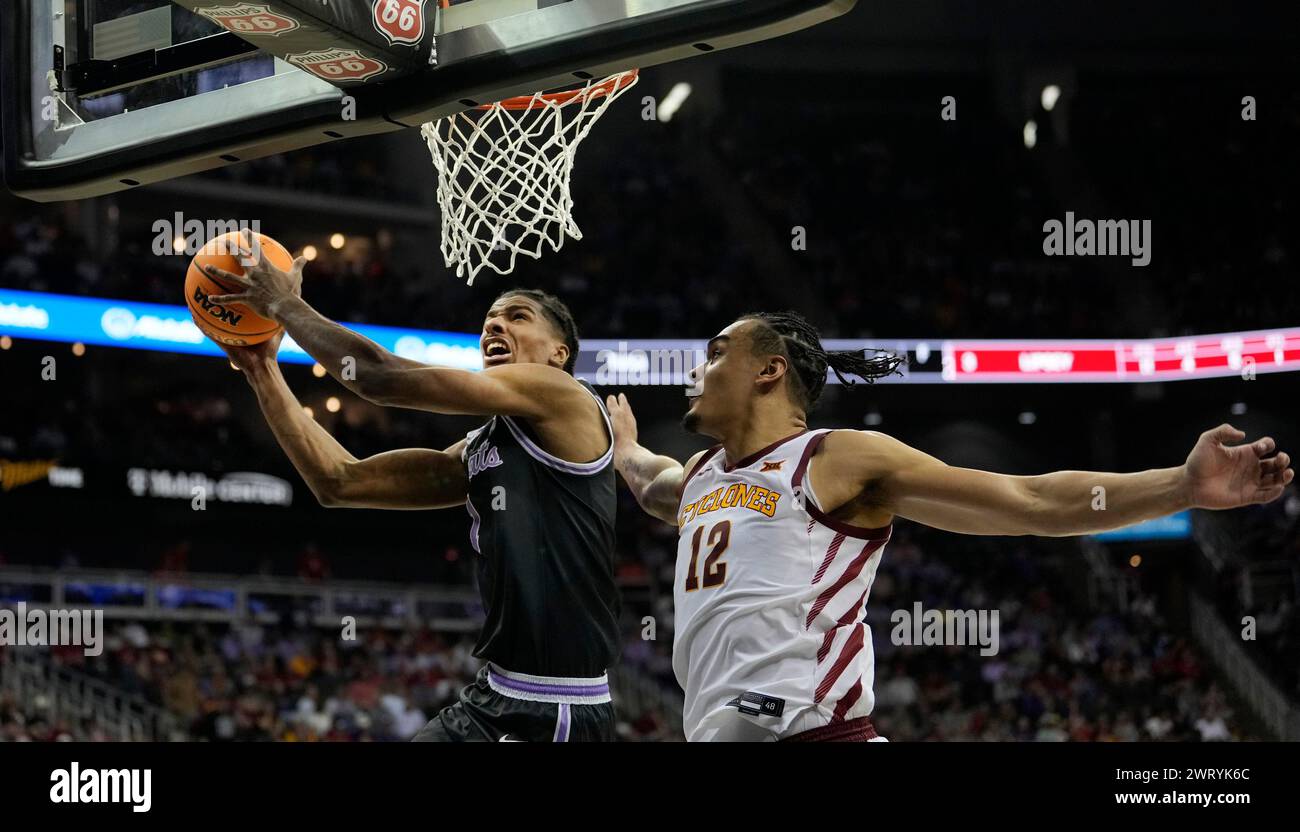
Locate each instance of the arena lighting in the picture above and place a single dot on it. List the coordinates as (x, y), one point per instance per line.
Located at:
(318, 371)
(1239, 409)
(1051, 94)
(1028, 417)
(309, 252)
(149, 326)
(1031, 134)
(338, 241)
(332, 404)
(673, 101)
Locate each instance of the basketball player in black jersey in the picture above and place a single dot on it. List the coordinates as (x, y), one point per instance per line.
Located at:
(545, 563)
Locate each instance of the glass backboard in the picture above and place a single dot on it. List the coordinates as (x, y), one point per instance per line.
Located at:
(99, 96)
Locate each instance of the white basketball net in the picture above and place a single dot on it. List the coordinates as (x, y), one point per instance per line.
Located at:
(504, 171)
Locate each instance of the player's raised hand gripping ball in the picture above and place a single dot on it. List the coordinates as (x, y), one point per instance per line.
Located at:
(233, 324)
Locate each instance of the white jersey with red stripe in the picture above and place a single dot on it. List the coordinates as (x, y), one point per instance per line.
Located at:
(769, 637)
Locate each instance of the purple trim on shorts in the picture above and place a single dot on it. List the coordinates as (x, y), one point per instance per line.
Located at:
(553, 690)
(562, 724)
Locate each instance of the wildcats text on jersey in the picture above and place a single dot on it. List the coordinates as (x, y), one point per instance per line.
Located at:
(482, 459)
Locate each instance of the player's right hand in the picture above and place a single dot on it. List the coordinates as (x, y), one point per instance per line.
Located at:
(248, 358)
(620, 415)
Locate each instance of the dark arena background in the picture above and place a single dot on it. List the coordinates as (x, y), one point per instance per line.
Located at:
(890, 173)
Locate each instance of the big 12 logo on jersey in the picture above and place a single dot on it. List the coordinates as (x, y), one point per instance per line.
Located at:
(400, 21)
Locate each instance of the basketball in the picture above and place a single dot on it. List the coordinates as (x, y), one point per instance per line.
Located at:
(234, 325)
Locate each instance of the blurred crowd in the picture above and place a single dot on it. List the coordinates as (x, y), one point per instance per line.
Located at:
(1068, 668)
(1064, 671)
(249, 683)
(1257, 590)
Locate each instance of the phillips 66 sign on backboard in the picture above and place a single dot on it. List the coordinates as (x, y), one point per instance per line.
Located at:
(400, 21)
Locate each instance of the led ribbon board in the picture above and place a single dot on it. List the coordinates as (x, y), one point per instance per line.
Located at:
(652, 362)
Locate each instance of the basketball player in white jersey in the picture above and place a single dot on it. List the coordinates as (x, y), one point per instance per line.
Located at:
(782, 529)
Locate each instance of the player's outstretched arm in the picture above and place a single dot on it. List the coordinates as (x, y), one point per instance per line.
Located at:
(531, 391)
(416, 478)
(1219, 473)
(655, 481)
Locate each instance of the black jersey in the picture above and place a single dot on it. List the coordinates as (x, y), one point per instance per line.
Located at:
(544, 532)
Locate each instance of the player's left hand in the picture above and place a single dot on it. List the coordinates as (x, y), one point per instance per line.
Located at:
(1222, 474)
(264, 285)
(623, 420)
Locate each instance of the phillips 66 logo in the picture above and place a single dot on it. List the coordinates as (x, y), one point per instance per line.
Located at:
(338, 64)
(400, 21)
(250, 19)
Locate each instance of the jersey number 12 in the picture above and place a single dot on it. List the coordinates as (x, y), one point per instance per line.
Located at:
(714, 572)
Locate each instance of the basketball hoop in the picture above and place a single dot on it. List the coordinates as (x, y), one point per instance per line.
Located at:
(504, 171)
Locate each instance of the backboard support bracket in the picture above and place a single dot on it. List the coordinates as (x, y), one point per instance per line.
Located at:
(92, 78)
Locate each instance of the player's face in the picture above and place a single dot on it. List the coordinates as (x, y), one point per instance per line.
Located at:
(724, 382)
(516, 331)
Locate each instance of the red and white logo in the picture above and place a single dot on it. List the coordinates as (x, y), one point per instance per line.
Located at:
(250, 19)
(400, 21)
(338, 64)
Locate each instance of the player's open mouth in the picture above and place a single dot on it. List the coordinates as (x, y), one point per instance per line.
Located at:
(496, 351)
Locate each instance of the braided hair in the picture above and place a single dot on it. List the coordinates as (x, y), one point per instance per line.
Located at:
(558, 314)
(789, 334)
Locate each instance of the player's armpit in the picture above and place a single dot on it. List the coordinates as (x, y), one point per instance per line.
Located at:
(414, 478)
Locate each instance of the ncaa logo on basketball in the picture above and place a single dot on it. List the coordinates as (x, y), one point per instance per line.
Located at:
(250, 19)
(215, 310)
(400, 21)
(338, 64)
